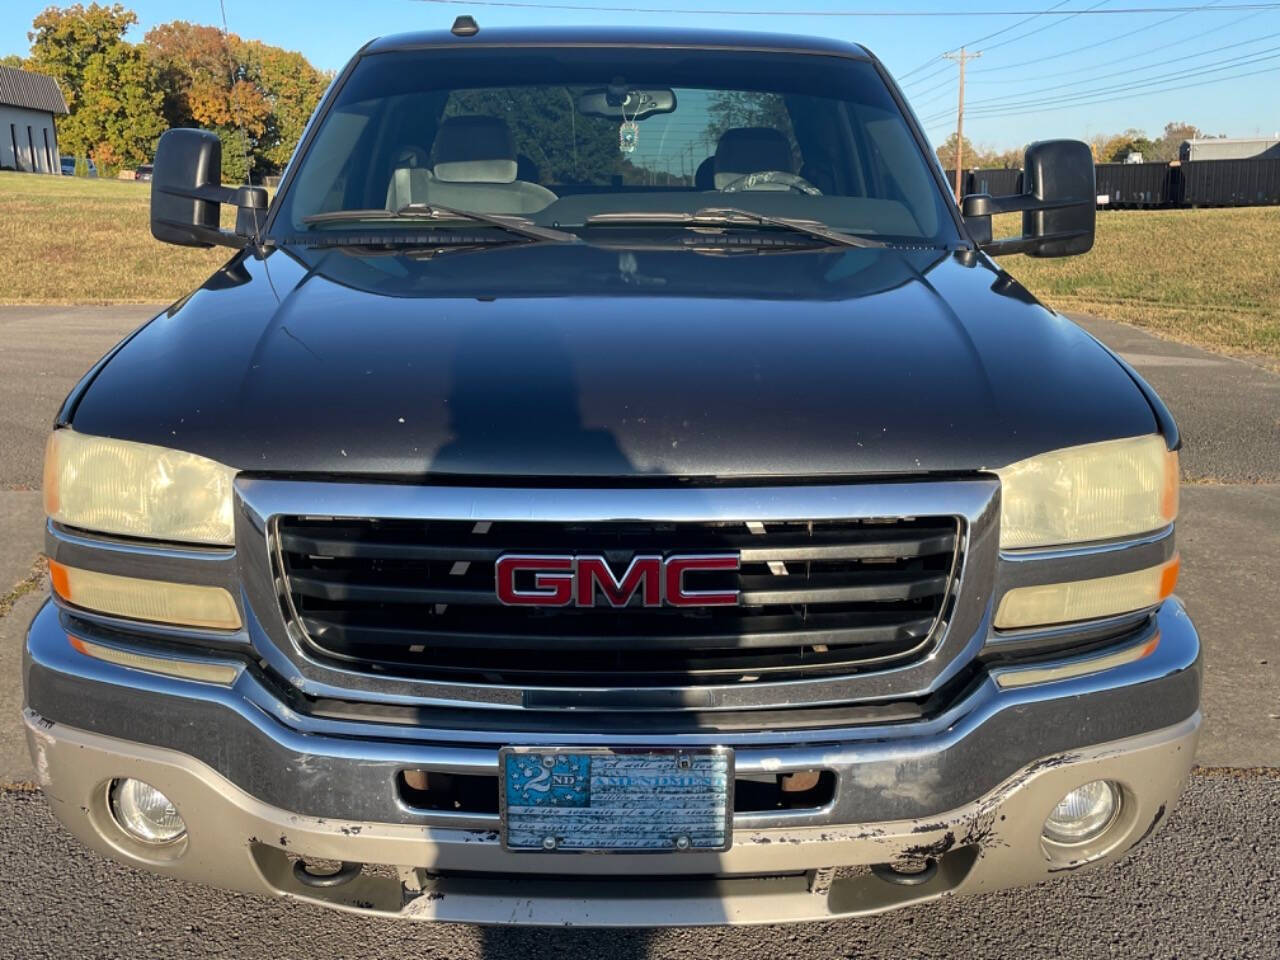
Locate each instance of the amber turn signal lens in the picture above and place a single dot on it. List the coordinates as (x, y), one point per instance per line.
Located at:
(1050, 603)
(157, 601)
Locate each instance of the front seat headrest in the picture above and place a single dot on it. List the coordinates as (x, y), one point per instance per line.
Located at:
(744, 150)
(704, 178)
(475, 150)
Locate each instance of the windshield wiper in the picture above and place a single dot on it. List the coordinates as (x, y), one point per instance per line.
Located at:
(733, 217)
(520, 226)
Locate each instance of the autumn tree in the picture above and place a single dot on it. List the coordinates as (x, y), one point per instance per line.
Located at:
(109, 85)
(292, 87)
(205, 86)
(1132, 141)
(12, 60)
(1170, 142)
(970, 157)
(1010, 159)
(254, 95)
(65, 41)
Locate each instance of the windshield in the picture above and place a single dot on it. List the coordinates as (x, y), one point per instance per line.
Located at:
(572, 138)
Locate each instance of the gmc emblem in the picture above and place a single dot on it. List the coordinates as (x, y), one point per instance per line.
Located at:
(561, 580)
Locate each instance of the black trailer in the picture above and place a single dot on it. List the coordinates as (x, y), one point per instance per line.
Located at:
(1230, 183)
(1128, 185)
(995, 183)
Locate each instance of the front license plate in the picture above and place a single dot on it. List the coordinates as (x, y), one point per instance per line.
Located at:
(586, 799)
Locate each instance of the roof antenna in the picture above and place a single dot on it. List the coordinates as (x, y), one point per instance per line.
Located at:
(465, 26)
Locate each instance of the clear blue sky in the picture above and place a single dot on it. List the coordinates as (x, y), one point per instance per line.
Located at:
(1020, 67)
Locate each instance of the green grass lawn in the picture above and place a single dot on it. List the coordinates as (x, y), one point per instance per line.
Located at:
(1209, 277)
(74, 240)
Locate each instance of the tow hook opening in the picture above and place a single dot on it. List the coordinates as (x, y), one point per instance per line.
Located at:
(794, 790)
(461, 793)
(907, 875)
(322, 874)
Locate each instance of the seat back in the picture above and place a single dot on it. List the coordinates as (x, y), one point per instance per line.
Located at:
(475, 169)
(743, 150)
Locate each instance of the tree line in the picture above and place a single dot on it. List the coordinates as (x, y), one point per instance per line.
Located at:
(123, 96)
(1107, 148)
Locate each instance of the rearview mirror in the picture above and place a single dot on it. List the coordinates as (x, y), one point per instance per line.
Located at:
(1058, 204)
(186, 190)
(631, 105)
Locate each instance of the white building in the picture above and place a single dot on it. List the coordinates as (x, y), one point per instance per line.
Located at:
(1231, 148)
(28, 139)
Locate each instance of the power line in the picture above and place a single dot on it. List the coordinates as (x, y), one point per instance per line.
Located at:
(1014, 26)
(1129, 70)
(1065, 17)
(1102, 43)
(995, 105)
(999, 103)
(927, 95)
(231, 90)
(996, 33)
(595, 8)
(1012, 107)
(1104, 94)
(974, 43)
(945, 68)
(1085, 103)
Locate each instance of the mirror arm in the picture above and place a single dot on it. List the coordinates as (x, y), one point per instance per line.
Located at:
(1008, 245)
(983, 205)
(221, 238)
(250, 204)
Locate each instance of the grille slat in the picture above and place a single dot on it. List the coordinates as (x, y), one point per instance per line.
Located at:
(886, 632)
(330, 587)
(815, 598)
(830, 588)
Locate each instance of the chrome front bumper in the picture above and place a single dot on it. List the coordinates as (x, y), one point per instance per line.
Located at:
(968, 788)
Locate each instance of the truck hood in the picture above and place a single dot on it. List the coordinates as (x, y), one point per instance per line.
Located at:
(668, 362)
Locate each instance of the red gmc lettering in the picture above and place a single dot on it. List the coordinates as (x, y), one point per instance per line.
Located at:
(642, 571)
(678, 596)
(561, 580)
(550, 588)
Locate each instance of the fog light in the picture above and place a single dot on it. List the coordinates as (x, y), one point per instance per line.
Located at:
(145, 813)
(1084, 813)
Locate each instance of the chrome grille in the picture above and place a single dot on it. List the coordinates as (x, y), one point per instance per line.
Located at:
(817, 598)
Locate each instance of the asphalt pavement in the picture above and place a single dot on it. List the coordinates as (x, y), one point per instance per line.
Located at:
(1204, 887)
(43, 352)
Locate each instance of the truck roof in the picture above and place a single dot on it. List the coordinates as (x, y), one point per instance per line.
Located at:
(620, 37)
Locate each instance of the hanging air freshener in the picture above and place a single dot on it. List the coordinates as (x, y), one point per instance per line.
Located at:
(628, 136)
(629, 130)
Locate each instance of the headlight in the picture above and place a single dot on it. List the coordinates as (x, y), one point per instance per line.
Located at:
(1116, 488)
(136, 490)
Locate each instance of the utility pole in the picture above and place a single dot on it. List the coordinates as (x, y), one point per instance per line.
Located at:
(961, 58)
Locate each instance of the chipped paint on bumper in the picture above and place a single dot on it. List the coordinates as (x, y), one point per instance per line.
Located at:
(964, 794)
(769, 875)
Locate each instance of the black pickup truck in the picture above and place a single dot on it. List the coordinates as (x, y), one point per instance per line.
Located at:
(612, 483)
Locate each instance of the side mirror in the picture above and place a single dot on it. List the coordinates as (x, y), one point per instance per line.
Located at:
(186, 191)
(1058, 204)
